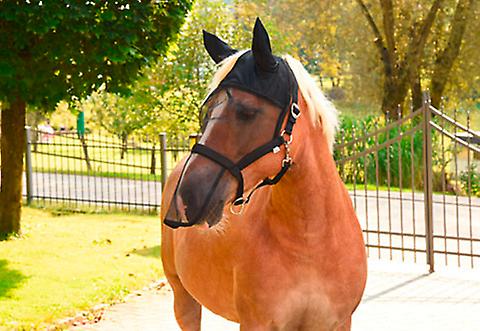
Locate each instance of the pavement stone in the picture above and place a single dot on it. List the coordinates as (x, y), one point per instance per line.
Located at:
(397, 297)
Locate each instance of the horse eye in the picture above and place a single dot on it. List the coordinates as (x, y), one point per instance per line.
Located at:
(246, 114)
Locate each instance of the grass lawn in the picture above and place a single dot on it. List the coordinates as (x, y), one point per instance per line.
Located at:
(66, 155)
(65, 264)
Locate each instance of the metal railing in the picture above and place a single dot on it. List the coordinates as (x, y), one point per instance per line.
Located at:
(98, 169)
(415, 185)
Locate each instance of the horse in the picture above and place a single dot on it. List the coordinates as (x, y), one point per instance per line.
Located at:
(289, 255)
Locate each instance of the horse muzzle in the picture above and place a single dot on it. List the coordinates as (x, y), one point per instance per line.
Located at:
(199, 197)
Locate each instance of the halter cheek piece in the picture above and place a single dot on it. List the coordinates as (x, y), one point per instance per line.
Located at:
(279, 139)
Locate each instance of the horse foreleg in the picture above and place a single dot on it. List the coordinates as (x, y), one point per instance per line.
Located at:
(188, 311)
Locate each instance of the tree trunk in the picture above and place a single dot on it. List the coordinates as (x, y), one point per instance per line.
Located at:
(417, 96)
(124, 146)
(85, 151)
(153, 160)
(12, 145)
(393, 98)
(399, 75)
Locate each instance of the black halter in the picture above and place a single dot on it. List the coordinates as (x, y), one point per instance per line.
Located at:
(280, 138)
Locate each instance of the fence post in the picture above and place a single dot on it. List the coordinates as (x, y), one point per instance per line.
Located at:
(163, 157)
(28, 165)
(153, 160)
(428, 175)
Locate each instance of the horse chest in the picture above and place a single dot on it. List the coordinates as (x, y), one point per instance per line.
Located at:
(259, 281)
(285, 302)
(287, 285)
(286, 290)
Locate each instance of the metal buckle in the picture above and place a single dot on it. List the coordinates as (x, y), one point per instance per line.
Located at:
(242, 206)
(286, 160)
(295, 115)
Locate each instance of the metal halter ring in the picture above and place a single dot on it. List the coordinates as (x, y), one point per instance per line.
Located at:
(295, 115)
(242, 206)
(289, 141)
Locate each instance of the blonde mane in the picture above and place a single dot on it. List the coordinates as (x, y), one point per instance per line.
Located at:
(320, 109)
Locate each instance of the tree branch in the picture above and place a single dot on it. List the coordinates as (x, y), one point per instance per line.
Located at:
(447, 57)
(379, 43)
(427, 24)
(416, 47)
(389, 28)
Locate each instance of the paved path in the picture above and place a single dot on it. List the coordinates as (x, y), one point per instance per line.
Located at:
(118, 192)
(398, 297)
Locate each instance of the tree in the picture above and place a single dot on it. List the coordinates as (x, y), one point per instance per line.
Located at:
(56, 50)
(380, 51)
(402, 44)
(179, 80)
(120, 115)
(448, 55)
(400, 70)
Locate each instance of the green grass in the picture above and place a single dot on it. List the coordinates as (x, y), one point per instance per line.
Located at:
(122, 175)
(66, 155)
(372, 187)
(59, 208)
(356, 110)
(65, 264)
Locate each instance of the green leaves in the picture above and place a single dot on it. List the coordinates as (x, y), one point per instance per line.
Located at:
(178, 80)
(54, 50)
(7, 71)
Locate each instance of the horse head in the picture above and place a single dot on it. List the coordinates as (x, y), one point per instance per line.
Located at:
(247, 128)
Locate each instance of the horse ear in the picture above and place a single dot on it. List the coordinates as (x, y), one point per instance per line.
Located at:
(216, 48)
(261, 49)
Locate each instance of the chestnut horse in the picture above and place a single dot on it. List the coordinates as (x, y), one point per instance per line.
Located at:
(289, 257)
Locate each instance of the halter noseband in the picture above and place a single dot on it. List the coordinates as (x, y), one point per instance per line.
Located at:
(236, 168)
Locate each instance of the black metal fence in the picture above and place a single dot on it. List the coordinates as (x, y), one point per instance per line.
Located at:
(415, 184)
(98, 169)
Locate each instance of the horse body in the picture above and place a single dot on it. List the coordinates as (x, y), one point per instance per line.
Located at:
(275, 267)
(294, 260)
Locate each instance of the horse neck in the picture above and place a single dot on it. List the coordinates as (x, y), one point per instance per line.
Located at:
(311, 195)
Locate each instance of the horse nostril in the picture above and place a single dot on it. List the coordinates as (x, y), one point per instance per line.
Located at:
(190, 202)
(202, 194)
(180, 208)
(190, 214)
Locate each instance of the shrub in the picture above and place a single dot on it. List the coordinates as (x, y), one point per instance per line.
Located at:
(396, 164)
(470, 180)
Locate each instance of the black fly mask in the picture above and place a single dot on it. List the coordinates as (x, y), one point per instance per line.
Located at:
(258, 72)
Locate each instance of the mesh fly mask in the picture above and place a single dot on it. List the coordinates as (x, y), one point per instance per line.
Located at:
(258, 72)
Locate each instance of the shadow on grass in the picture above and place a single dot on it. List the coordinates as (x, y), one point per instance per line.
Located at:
(153, 251)
(9, 278)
